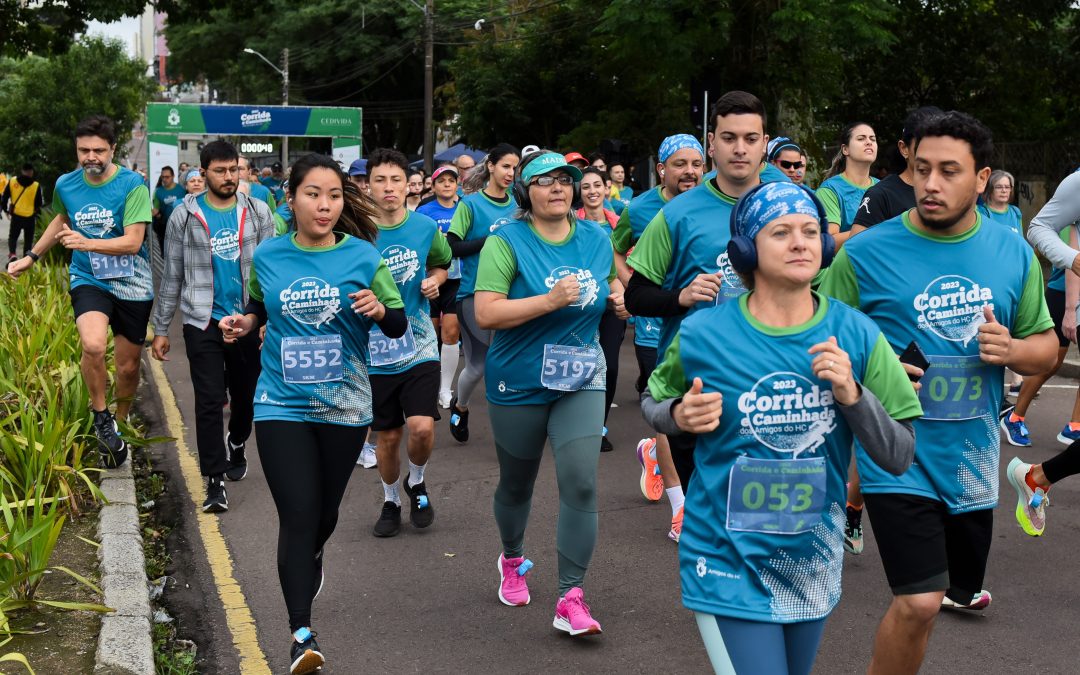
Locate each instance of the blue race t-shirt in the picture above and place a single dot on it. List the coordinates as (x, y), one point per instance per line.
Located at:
(842, 199)
(408, 249)
(315, 355)
(103, 212)
(767, 174)
(1010, 217)
(166, 199)
(476, 217)
(442, 215)
(260, 192)
(647, 331)
(635, 217)
(225, 229)
(932, 290)
(559, 352)
(762, 538)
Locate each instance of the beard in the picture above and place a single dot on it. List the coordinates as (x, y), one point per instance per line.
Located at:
(942, 222)
(93, 168)
(223, 191)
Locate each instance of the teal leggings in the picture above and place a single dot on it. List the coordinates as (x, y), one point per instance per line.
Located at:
(573, 424)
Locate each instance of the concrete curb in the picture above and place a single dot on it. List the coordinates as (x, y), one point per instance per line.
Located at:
(124, 644)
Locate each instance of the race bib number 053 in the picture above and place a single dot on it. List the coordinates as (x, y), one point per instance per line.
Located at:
(311, 359)
(776, 496)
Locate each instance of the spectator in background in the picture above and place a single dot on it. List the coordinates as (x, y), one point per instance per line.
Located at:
(22, 199)
(786, 155)
(358, 175)
(415, 186)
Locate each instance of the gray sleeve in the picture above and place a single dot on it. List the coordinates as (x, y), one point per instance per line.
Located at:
(658, 414)
(890, 443)
(1062, 210)
(172, 277)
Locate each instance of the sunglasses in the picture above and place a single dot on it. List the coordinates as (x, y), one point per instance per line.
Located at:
(790, 165)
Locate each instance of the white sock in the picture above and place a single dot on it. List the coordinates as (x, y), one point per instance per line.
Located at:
(449, 360)
(416, 474)
(676, 497)
(390, 493)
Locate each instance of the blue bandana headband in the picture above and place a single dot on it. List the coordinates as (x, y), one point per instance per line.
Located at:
(673, 144)
(193, 172)
(773, 201)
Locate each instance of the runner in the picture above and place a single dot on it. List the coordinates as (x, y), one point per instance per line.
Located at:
(1032, 481)
(167, 195)
(681, 163)
(102, 211)
(541, 286)
(313, 400)
(760, 556)
(786, 155)
(444, 308)
(486, 207)
(209, 247)
(415, 187)
(194, 182)
(848, 178)
(621, 193)
(405, 372)
(681, 262)
(257, 190)
(997, 203)
(358, 174)
(923, 278)
(22, 199)
(894, 194)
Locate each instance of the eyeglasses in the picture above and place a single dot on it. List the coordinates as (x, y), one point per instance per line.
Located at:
(548, 181)
(221, 171)
(1002, 187)
(790, 165)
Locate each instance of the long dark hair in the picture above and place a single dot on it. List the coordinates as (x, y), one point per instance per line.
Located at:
(839, 162)
(357, 216)
(480, 175)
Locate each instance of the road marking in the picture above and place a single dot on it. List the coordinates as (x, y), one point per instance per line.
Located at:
(237, 614)
(1058, 386)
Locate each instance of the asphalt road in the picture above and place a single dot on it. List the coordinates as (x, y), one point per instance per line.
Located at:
(425, 601)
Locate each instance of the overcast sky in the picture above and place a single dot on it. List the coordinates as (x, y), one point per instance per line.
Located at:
(126, 29)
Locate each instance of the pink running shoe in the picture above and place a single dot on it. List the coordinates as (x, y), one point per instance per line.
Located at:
(513, 590)
(572, 615)
(651, 483)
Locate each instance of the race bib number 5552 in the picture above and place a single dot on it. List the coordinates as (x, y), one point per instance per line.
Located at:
(311, 359)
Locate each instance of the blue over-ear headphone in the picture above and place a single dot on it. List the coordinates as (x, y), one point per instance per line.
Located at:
(521, 191)
(742, 252)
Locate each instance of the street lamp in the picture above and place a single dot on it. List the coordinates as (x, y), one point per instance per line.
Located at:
(284, 92)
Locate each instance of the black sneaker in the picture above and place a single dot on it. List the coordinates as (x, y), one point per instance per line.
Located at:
(304, 654)
(389, 522)
(320, 578)
(237, 462)
(459, 422)
(605, 444)
(421, 512)
(113, 449)
(216, 499)
(853, 532)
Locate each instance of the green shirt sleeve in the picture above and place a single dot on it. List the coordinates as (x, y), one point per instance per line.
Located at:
(439, 254)
(461, 223)
(839, 281)
(271, 202)
(384, 288)
(831, 201)
(156, 202)
(58, 204)
(668, 379)
(280, 225)
(497, 267)
(137, 207)
(621, 236)
(254, 289)
(886, 379)
(652, 254)
(1032, 316)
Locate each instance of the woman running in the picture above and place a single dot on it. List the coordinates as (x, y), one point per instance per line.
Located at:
(777, 396)
(848, 178)
(543, 283)
(313, 400)
(997, 203)
(486, 207)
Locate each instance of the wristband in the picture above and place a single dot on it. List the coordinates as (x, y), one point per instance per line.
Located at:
(33, 256)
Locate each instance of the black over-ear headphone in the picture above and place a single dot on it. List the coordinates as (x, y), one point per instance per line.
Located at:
(742, 252)
(521, 191)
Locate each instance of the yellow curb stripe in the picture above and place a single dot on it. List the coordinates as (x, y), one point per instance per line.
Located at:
(237, 614)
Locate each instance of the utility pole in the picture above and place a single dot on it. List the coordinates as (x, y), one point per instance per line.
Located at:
(285, 101)
(429, 77)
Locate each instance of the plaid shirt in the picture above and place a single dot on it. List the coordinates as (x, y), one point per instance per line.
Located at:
(189, 272)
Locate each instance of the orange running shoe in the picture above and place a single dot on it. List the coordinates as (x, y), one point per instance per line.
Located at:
(652, 484)
(676, 526)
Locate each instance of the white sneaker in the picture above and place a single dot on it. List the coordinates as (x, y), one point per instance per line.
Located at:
(444, 398)
(367, 456)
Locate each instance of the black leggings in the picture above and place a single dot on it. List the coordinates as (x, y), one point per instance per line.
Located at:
(307, 466)
(1064, 464)
(612, 331)
(23, 225)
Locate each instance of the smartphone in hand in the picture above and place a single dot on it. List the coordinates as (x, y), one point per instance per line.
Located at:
(914, 356)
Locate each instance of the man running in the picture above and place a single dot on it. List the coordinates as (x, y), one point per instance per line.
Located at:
(405, 371)
(102, 210)
(681, 163)
(923, 278)
(210, 243)
(681, 262)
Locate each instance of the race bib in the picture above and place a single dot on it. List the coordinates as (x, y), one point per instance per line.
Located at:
(776, 496)
(568, 368)
(385, 350)
(956, 388)
(111, 266)
(311, 359)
